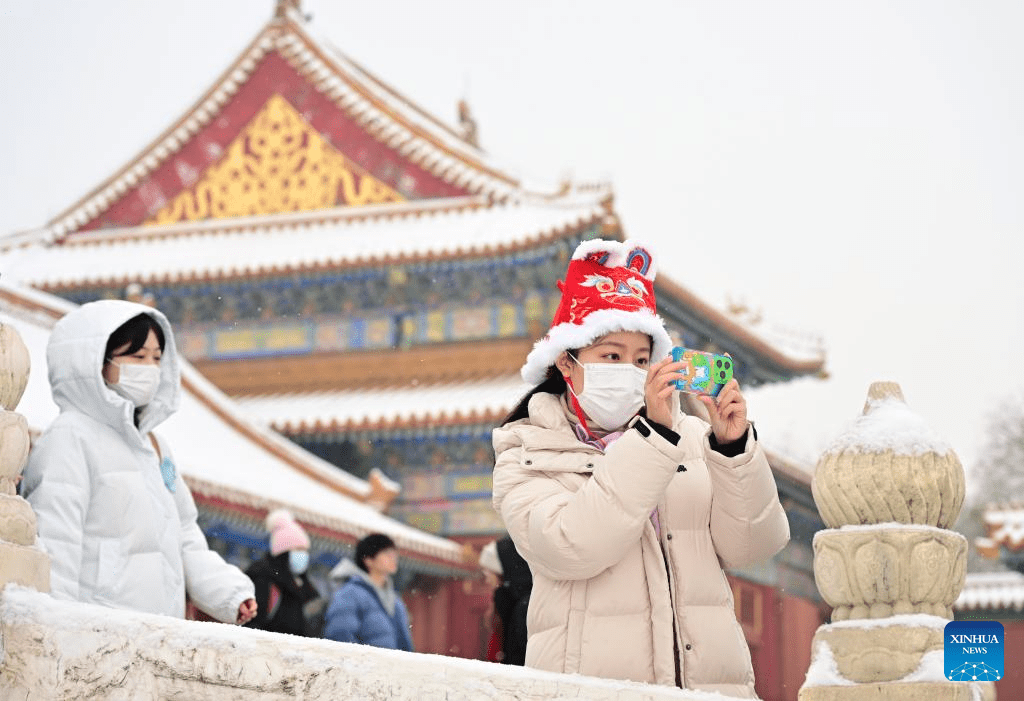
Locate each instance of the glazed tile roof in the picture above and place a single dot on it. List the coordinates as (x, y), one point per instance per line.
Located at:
(284, 243)
(992, 590)
(390, 119)
(490, 211)
(482, 401)
(1005, 525)
(485, 401)
(498, 215)
(247, 467)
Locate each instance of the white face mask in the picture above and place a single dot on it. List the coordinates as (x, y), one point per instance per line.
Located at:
(612, 392)
(137, 383)
(298, 561)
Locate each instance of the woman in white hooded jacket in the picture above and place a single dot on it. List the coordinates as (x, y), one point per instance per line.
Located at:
(625, 509)
(113, 513)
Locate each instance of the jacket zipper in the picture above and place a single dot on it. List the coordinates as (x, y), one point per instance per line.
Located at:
(672, 605)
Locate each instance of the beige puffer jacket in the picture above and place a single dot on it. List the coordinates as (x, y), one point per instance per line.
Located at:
(603, 603)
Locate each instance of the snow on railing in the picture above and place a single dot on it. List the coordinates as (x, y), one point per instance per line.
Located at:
(64, 650)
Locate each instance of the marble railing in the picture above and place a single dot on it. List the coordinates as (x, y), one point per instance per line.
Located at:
(888, 490)
(53, 649)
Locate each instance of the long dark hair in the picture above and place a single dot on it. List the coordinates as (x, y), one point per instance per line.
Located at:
(553, 383)
(134, 332)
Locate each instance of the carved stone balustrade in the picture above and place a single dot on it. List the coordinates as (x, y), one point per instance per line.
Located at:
(888, 489)
(20, 561)
(873, 573)
(889, 468)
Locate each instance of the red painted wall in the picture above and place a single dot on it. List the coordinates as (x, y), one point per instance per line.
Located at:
(428, 603)
(469, 620)
(799, 621)
(1011, 686)
(451, 616)
(779, 629)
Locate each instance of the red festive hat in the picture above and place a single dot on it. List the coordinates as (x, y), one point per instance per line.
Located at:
(608, 287)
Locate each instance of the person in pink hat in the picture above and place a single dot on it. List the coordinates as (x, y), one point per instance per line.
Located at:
(284, 593)
(625, 508)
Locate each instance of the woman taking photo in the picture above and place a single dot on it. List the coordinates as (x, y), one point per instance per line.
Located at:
(113, 512)
(626, 509)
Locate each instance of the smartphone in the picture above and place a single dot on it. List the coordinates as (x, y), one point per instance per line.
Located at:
(706, 373)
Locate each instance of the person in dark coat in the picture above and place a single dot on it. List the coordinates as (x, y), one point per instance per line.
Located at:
(511, 600)
(366, 608)
(283, 590)
(490, 567)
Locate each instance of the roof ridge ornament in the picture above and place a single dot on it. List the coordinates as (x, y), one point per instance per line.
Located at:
(468, 124)
(281, 10)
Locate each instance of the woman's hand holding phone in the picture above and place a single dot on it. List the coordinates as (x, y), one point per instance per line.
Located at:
(728, 413)
(661, 383)
(712, 383)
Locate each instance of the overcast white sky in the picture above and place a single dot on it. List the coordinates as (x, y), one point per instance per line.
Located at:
(853, 169)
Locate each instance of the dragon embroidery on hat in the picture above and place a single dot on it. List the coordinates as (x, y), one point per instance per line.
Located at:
(608, 286)
(609, 279)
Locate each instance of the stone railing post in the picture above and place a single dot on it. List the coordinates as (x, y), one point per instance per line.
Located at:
(20, 561)
(888, 490)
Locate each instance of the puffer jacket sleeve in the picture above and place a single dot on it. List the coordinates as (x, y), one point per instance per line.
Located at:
(216, 587)
(748, 523)
(57, 484)
(403, 634)
(569, 535)
(344, 615)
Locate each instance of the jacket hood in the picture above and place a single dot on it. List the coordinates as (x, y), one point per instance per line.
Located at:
(344, 571)
(347, 570)
(74, 356)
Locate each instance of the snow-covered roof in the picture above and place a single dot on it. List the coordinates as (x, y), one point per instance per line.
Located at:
(423, 134)
(1005, 525)
(235, 461)
(794, 343)
(293, 242)
(992, 590)
(469, 402)
(793, 354)
(388, 117)
(481, 401)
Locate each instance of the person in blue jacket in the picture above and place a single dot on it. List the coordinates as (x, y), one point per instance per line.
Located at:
(366, 608)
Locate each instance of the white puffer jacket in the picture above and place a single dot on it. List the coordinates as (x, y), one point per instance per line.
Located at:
(115, 533)
(603, 602)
